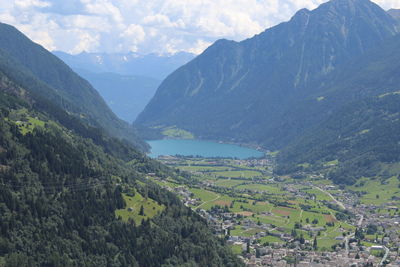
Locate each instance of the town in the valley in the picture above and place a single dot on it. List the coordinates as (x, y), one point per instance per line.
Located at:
(270, 220)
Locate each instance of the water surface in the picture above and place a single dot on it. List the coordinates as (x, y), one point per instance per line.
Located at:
(200, 148)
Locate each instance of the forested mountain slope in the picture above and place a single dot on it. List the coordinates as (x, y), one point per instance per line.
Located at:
(246, 91)
(62, 182)
(40, 71)
(355, 121)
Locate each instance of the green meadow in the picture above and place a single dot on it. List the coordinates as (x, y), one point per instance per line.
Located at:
(133, 206)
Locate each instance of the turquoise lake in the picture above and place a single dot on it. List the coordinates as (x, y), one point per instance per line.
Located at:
(200, 148)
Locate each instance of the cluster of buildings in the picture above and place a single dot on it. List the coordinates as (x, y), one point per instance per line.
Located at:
(270, 256)
(289, 252)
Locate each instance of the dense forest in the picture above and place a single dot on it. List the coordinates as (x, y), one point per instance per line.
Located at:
(61, 183)
(362, 138)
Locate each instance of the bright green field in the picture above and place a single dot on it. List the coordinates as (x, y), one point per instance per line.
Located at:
(228, 183)
(261, 187)
(204, 195)
(151, 208)
(373, 188)
(237, 249)
(326, 243)
(177, 133)
(238, 174)
(204, 168)
(270, 239)
(239, 231)
(28, 126)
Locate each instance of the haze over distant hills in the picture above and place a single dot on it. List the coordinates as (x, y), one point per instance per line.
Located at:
(279, 85)
(128, 81)
(126, 95)
(151, 65)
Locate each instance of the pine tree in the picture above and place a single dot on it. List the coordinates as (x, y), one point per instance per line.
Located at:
(315, 244)
(141, 211)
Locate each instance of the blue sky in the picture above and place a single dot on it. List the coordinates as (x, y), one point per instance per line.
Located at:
(147, 26)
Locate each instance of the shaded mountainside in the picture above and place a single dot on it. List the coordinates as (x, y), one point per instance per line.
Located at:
(40, 71)
(126, 95)
(62, 182)
(246, 91)
(355, 120)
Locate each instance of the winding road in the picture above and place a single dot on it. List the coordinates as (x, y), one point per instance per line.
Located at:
(340, 204)
(385, 256)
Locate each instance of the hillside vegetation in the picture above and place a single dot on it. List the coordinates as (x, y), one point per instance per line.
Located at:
(41, 72)
(62, 183)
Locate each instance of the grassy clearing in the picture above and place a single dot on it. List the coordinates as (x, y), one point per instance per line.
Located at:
(28, 125)
(203, 195)
(133, 206)
(240, 231)
(237, 249)
(270, 239)
(175, 132)
(304, 165)
(378, 193)
(331, 163)
(325, 244)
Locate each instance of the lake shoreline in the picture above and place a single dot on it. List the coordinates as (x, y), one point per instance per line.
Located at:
(204, 148)
(257, 147)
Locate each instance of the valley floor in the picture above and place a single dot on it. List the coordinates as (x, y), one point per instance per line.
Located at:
(277, 221)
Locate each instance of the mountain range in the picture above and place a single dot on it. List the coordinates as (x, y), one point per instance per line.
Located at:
(281, 86)
(127, 81)
(151, 65)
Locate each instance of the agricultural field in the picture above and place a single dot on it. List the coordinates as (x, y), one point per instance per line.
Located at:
(378, 192)
(262, 208)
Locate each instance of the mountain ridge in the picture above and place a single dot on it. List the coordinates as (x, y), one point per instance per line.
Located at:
(241, 91)
(49, 76)
(150, 65)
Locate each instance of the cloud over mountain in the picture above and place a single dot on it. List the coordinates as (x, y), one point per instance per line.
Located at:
(160, 26)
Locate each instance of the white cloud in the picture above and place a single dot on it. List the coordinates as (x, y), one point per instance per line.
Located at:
(30, 3)
(160, 26)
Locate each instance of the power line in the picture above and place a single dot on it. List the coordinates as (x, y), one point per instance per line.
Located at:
(59, 186)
